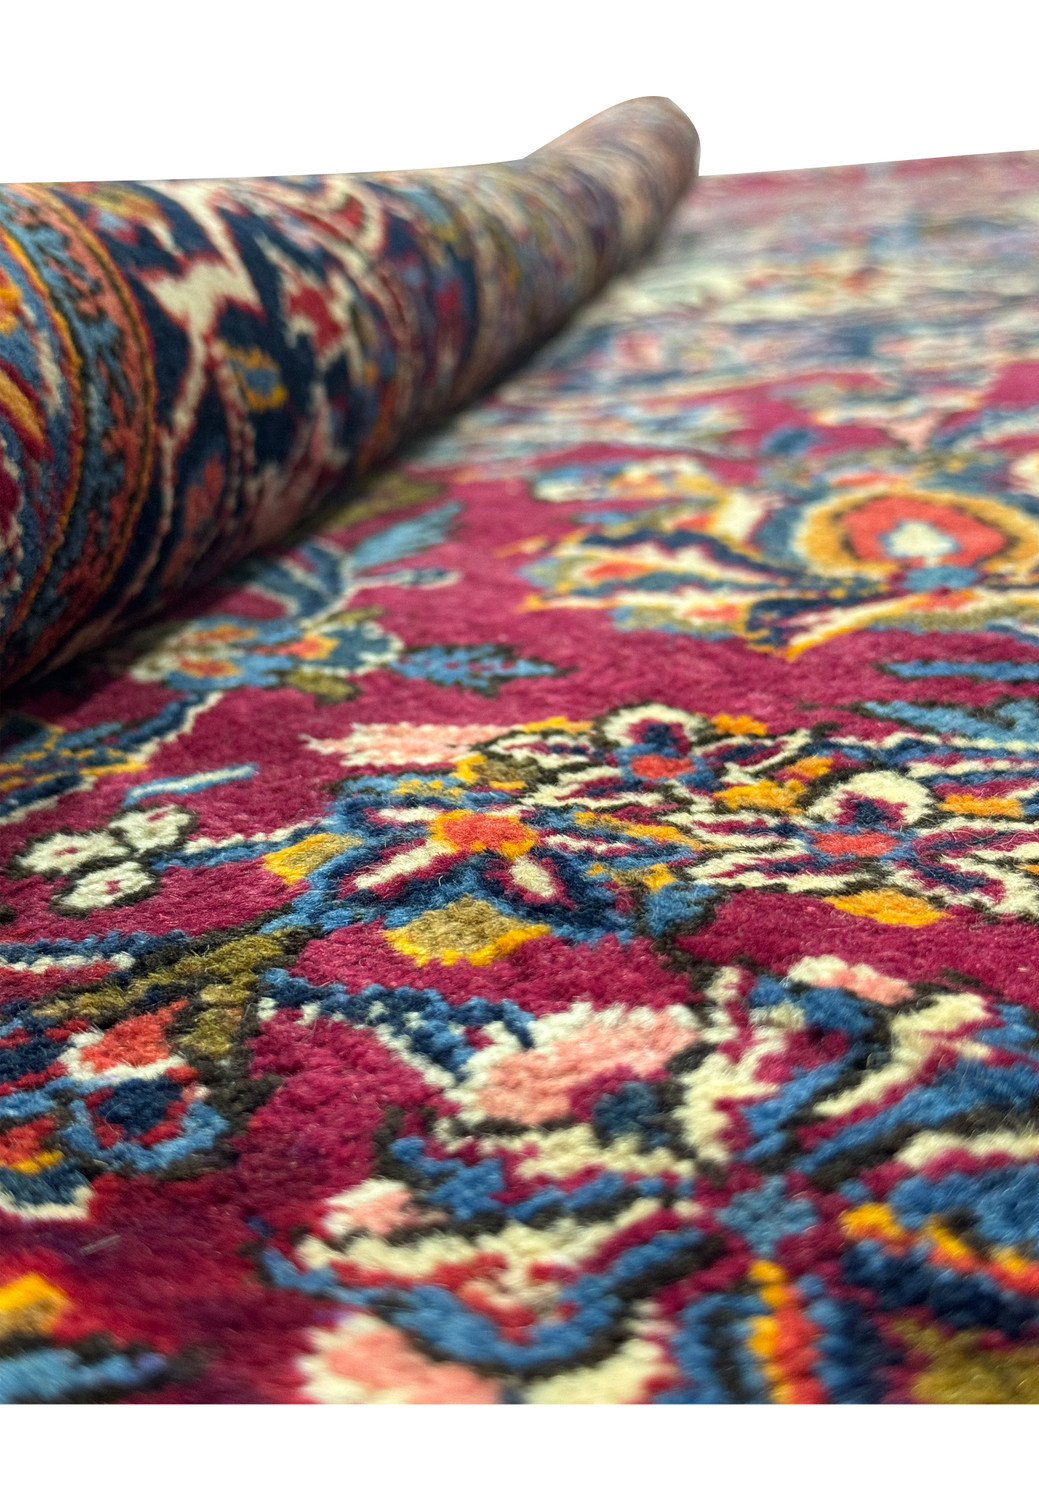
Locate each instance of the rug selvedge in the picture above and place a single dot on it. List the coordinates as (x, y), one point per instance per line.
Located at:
(565, 929)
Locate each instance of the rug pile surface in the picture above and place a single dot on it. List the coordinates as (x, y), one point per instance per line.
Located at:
(564, 929)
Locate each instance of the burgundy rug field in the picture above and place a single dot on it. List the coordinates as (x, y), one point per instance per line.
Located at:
(563, 926)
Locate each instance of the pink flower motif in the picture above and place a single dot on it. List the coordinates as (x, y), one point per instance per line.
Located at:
(538, 1084)
(377, 1207)
(405, 744)
(364, 1361)
(860, 979)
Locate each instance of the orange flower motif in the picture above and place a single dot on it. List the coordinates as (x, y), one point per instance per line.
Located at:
(480, 832)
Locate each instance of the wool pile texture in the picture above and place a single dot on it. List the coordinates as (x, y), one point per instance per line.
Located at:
(565, 928)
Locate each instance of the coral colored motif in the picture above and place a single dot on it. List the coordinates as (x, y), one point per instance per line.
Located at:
(564, 930)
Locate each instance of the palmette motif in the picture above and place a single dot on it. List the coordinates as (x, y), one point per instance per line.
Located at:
(566, 929)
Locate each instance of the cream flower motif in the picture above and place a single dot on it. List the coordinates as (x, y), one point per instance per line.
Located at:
(60, 853)
(153, 828)
(108, 866)
(108, 887)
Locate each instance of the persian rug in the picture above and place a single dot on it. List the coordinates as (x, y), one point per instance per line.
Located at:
(564, 927)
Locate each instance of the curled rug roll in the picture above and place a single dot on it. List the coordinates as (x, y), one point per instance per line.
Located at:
(187, 368)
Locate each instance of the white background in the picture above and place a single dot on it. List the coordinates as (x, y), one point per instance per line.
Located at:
(153, 88)
(159, 88)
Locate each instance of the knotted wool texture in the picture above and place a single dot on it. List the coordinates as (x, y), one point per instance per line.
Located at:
(563, 928)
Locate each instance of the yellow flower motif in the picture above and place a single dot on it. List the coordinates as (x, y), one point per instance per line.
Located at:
(10, 306)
